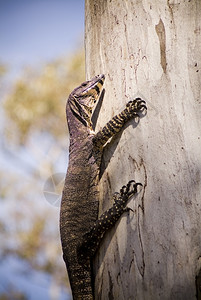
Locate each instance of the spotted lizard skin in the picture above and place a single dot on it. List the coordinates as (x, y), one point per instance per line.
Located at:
(80, 228)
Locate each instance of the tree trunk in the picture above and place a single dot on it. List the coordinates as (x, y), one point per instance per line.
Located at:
(150, 49)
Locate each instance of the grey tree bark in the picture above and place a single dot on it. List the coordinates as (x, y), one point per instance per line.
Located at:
(151, 49)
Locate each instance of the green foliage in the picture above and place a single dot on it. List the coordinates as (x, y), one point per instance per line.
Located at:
(31, 233)
(3, 69)
(37, 102)
(13, 294)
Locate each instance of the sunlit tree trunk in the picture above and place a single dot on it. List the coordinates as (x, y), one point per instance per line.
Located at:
(150, 49)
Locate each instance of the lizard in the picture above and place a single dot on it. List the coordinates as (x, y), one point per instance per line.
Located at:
(80, 228)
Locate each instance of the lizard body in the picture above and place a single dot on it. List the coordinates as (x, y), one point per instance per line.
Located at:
(81, 230)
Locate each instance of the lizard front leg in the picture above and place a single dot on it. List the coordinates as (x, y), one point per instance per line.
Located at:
(106, 221)
(133, 108)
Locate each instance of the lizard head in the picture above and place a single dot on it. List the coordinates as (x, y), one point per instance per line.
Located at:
(83, 98)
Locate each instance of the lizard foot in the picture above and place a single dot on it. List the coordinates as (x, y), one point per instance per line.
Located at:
(92, 238)
(130, 189)
(136, 106)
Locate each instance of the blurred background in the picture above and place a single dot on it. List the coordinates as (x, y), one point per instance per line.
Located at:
(41, 62)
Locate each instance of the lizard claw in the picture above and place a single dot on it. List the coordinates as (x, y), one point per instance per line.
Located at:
(135, 106)
(130, 188)
(127, 209)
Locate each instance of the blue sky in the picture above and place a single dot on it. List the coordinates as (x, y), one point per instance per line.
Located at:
(34, 31)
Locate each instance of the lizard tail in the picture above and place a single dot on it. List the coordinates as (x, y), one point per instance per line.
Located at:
(80, 278)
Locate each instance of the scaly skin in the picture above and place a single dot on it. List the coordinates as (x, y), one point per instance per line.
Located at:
(81, 230)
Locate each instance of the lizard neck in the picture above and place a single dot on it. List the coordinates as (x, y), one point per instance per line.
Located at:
(77, 130)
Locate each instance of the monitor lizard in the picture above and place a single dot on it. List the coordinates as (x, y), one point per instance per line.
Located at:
(80, 228)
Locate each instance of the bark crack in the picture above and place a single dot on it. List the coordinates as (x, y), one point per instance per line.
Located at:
(110, 292)
(142, 266)
(141, 208)
(198, 285)
(145, 185)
